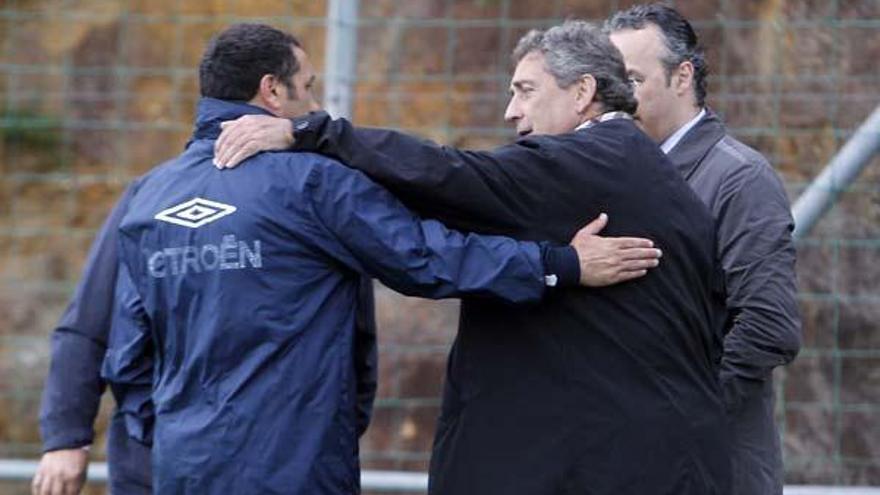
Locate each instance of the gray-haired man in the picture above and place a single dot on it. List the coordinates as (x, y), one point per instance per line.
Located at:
(604, 391)
(753, 224)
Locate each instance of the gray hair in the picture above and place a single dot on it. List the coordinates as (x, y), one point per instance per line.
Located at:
(575, 49)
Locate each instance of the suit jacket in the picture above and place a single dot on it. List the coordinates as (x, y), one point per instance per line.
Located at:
(753, 225)
(600, 391)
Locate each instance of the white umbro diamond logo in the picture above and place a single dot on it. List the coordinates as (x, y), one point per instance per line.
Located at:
(195, 213)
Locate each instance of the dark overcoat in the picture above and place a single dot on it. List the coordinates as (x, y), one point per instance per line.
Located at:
(604, 391)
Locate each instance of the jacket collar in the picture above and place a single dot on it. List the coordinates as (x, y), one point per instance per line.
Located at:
(695, 145)
(604, 118)
(211, 112)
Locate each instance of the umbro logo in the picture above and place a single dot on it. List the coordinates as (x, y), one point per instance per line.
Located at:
(195, 213)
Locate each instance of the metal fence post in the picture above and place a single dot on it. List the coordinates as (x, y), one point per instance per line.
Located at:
(839, 173)
(341, 53)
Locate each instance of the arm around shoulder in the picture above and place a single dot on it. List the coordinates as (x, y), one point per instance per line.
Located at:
(487, 191)
(365, 227)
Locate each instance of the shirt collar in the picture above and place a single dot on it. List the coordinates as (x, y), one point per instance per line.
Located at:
(602, 118)
(674, 139)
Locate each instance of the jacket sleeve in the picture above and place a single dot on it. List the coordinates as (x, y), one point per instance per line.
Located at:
(758, 258)
(366, 358)
(484, 191)
(128, 363)
(364, 227)
(73, 387)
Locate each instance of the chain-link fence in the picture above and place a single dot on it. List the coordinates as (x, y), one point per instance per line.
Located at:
(95, 92)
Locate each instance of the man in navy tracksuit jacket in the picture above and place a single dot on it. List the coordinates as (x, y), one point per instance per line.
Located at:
(73, 387)
(233, 336)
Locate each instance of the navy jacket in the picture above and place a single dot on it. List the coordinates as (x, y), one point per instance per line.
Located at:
(603, 391)
(236, 302)
(753, 225)
(73, 386)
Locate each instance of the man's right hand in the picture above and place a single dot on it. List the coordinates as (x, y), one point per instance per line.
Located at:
(611, 260)
(61, 472)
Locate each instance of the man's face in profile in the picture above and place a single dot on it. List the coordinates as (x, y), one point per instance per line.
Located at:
(537, 104)
(643, 51)
(301, 100)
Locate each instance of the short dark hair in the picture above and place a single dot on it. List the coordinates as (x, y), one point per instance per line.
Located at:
(679, 37)
(237, 59)
(574, 49)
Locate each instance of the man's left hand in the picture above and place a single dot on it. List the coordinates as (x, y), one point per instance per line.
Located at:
(61, 472)
(249, 135)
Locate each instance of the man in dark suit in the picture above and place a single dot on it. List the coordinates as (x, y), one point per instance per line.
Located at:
(753, 225)
(602, 391)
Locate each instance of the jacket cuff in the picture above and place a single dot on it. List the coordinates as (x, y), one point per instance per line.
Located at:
(307, 130)
(71, 439)
(561, 263)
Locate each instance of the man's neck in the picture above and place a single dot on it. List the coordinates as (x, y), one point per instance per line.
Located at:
(602, 117)
(593, 111)
(258, 102)
(681, 118)
(689, 115)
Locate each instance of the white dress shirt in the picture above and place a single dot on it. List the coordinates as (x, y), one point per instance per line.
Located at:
(676, 136)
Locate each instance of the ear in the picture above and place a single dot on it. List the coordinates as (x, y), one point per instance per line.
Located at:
(683, 79)
(268, 95)
(586, 93)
